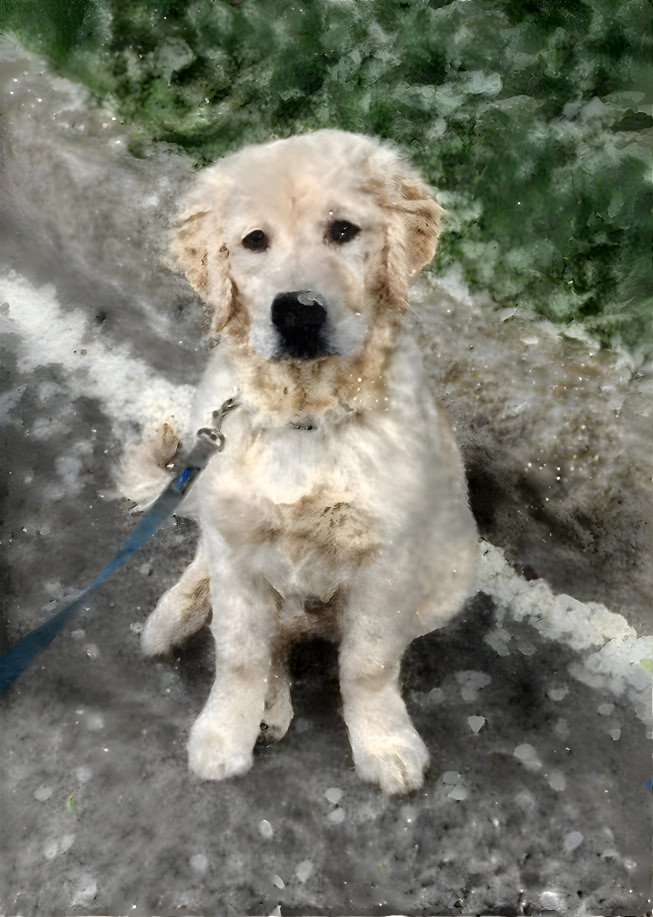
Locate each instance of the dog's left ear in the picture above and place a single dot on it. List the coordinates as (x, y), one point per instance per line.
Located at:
(413, 219)
(422, 215)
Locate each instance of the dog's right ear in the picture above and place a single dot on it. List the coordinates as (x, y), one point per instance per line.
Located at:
(196, 249)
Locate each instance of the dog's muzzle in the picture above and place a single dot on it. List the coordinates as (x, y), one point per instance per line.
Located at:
(301, 322)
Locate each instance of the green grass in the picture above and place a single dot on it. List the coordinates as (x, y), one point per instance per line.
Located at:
(528, 116)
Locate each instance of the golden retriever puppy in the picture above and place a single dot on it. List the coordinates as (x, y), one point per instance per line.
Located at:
(338, 507)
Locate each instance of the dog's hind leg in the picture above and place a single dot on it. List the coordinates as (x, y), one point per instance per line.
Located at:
(181, 611)
(278, 711)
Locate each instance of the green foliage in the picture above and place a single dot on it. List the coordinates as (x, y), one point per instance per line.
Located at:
(56, 25)
(527, 116)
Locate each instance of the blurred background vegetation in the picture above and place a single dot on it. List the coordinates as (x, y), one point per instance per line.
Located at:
(531, 118)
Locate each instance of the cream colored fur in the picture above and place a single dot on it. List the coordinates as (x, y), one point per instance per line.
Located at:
(357, 529)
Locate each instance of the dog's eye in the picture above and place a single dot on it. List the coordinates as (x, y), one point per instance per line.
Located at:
(341, 231)
(256, 241)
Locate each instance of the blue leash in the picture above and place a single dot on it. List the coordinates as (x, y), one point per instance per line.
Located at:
(210, 440)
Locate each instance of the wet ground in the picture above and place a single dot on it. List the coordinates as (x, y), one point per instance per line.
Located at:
(534, 703)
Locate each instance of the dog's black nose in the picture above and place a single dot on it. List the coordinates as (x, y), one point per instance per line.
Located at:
(300, 319)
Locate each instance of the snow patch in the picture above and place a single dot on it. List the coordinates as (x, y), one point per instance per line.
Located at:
(125, 385)
(614, 664)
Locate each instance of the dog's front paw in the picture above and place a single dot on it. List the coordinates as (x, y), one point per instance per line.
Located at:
(396, 761)
(214, 755)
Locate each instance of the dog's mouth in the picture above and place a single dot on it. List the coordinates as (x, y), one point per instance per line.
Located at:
(301, 322)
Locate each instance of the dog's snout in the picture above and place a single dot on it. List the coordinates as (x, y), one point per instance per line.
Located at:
(300, 319)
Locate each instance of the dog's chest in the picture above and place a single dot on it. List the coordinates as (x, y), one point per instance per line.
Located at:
(302, 494)
(338, 529)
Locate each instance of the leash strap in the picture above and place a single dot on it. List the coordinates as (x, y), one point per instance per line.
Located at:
(209, 441)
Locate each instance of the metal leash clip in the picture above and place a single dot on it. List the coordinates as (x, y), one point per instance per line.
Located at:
(210, 440)
(214, 433)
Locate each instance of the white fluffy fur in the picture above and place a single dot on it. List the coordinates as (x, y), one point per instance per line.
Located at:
(357, 529)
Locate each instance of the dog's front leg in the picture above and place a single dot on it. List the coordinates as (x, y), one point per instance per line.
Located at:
(222, 739)
(385, 745)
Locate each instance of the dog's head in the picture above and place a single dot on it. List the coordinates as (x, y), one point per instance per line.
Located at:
(301, 246)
